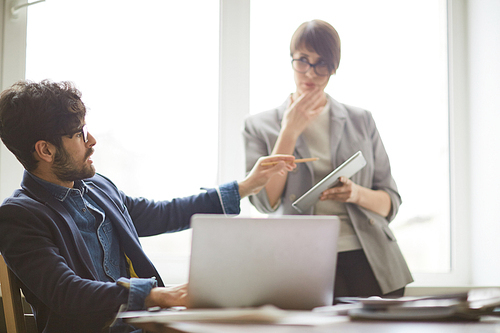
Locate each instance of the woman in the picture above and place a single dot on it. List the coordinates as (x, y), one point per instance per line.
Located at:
(312, 124)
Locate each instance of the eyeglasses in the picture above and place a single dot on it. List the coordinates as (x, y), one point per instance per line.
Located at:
(303, 66)
(83, 131)
(85, 134)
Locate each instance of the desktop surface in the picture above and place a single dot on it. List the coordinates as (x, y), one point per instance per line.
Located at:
(486, 325)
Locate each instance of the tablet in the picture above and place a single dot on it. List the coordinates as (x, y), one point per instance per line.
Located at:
(347, 169)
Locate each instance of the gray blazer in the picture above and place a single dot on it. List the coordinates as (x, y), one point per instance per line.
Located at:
(351, 129)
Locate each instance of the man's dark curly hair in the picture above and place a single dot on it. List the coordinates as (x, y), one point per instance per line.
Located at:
(30, 112)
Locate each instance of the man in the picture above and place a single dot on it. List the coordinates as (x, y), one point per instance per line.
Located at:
(70, 235)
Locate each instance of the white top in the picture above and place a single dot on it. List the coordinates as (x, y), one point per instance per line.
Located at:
(317, 137)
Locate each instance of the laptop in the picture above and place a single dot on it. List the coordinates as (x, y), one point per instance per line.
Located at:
(286, 261)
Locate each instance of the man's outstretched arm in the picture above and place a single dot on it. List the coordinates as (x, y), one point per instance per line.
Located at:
(262, 172)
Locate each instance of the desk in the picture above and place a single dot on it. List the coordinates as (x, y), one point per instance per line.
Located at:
(486, 325)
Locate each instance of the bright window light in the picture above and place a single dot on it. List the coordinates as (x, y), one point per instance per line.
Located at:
(394, 64)
(148, 72)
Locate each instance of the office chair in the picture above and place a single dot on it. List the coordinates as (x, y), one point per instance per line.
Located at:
(12, 301)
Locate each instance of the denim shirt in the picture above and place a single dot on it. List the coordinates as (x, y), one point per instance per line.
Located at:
(102, 239)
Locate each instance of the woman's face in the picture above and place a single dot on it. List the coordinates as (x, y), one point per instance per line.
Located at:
(309, 80)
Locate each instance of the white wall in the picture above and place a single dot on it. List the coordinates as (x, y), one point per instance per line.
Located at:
(484, 103)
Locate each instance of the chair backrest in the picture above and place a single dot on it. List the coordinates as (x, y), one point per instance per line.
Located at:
(12, 301)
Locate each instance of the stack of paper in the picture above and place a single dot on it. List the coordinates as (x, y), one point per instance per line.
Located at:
(466, 306)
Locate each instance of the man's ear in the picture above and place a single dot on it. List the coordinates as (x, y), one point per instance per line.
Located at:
(45, 151)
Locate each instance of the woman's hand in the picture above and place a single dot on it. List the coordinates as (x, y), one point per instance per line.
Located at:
(345, 191)
(302, 111)
(296, 118)
(377, 201)
(264, 169)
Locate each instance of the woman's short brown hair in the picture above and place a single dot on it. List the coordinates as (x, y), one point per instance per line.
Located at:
(320, 37)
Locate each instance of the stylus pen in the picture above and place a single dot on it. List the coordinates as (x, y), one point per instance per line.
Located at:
(301, 160)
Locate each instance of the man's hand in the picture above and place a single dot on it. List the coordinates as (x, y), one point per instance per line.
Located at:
(166, 297)
(260, 174)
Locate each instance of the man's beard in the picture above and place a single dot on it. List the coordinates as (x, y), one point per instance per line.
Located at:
(65, 167)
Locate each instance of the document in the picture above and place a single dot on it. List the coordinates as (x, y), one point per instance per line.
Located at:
(267, 314)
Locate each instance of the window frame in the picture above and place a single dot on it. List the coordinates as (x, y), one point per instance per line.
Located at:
(12, 69)
(234, 85)
(460, 272)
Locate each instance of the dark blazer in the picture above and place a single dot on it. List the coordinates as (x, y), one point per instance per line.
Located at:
(351, 129)
(42, 245)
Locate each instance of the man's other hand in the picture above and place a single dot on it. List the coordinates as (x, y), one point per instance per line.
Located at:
(166, 297)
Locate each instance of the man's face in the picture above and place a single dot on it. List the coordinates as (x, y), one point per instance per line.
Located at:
(72, 161)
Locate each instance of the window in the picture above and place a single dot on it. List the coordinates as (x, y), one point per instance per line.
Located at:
(238, 20)
(394, 63)
(149, 78)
